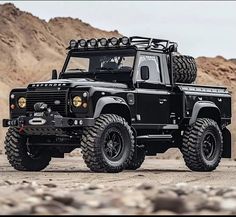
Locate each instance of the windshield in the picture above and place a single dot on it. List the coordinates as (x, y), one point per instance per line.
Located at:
(100, 61)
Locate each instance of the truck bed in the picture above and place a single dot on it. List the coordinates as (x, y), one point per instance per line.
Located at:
(192, 93)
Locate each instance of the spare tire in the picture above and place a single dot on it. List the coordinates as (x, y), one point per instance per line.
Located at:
(184, 69)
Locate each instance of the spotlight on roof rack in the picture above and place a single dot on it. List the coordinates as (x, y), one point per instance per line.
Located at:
(103, 42)
(73, 44)
(125, 40)
(93, 42)
(114, 41)
(82, 43)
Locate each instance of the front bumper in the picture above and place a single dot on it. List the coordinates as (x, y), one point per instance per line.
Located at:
(52, 121)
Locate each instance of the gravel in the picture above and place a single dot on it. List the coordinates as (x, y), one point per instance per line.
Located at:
(25, 198)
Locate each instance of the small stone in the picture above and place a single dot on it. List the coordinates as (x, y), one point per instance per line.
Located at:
(94, 203)
(181, 185)
(39, 191)
(223, 191)
(33, 200)
(144, 186)
(228, 204)
(34, 184)
(8, 182)
(66, 200)
(171, 204)
(213, 203)
(50, 185)
(52, 207)
(230, 194)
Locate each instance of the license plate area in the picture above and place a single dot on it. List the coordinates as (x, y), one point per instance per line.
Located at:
(37, 121)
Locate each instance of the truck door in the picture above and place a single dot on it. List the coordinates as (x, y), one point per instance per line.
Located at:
(152, 95)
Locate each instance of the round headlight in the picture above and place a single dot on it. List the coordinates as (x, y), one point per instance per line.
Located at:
(22, 102)
(93, 42)
(114, 41)
(82, 43)
(125, 40)
(103, 42)
(73, 44)
(77, 101)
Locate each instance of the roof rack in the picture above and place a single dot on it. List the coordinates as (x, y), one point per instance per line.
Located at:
(153, 44)
(144, 43)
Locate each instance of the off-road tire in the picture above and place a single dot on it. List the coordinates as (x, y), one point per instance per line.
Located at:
(194, 140)
(94, 140)
(18, 155)
(184, 69)
(137, 160)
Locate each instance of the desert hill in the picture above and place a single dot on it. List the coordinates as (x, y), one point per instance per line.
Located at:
(31, 47)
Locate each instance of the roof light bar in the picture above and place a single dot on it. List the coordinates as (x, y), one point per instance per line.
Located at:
(143, 43)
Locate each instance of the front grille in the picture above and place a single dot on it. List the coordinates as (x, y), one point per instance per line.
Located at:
(49, 98)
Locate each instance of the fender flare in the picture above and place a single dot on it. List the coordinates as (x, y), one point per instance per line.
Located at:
(198, 106)
(108, 100)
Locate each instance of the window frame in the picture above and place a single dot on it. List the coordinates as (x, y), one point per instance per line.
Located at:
(159, 57)
(71, 52)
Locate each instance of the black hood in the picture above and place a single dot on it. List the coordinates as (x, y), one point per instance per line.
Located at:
(77, 82)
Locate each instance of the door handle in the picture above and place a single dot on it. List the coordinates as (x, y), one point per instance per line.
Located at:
(161, 101)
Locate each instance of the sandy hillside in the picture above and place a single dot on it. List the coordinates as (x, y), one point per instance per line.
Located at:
(31, 47)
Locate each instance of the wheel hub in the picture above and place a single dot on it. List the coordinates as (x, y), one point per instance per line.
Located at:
(209, 146)
(113, 144)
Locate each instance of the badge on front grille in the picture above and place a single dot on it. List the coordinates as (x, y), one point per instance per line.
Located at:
(57, 102)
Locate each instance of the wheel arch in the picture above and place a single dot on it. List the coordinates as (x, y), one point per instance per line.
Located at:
(205, 109)
(113, 105)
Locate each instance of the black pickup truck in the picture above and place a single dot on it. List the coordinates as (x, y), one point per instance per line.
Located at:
(119, 100)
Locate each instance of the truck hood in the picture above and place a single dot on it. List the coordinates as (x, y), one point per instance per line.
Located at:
(76, 82)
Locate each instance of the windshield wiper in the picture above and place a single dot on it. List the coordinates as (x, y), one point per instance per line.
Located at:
(77, 69)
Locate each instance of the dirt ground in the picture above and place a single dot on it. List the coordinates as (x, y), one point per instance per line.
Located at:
(158, 187)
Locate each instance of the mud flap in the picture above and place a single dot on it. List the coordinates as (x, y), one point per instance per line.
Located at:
(227, 143)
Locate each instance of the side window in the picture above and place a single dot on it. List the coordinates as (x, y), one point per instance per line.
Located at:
(154, 68)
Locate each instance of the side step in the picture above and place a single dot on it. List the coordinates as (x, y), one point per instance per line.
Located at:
(166, 137)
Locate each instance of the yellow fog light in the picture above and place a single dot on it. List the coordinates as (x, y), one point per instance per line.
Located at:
(22, 102)
(77, 101)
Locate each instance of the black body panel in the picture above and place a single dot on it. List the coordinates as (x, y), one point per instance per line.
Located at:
(158, 111)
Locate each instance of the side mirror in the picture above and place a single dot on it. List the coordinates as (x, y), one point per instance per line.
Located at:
(54, 74)
(144, 73)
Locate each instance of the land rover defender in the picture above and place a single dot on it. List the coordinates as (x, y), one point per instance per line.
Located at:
(119, 100)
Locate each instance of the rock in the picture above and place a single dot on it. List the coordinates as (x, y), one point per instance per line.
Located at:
(213, 204)
(50, 185)
(8, 182)
(135, 199)
(168, 193)
(94, 203)
(183, 189)
(162, 202)
(52, 207)
(181, 185)
(144, 186)
(66, 200)
(195, 201)
(33, 200)
(230, 194)
(223, 191)
(228, 204)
